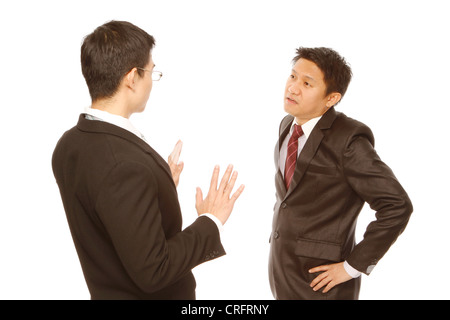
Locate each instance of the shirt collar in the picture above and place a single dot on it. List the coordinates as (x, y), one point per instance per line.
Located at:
(114, 119)
(307, 127)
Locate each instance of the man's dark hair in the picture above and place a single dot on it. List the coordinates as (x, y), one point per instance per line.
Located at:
(337, 73)
(110, 52)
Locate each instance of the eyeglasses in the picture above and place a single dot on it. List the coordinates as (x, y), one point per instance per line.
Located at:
(156, 75)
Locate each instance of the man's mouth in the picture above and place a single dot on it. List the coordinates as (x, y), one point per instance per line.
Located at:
(289, 100)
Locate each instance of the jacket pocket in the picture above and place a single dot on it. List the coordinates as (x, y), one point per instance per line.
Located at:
(318, 249)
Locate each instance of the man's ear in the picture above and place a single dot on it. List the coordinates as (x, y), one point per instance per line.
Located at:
(333, 98)
(130, 78)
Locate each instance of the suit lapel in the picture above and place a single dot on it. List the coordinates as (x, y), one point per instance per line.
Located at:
(310, 148)
(283, 132)
(108, 128)
(305, 157)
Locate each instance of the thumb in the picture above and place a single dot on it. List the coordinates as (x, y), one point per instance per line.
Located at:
(198, 196)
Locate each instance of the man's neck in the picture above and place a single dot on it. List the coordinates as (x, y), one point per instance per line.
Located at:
(112, 105)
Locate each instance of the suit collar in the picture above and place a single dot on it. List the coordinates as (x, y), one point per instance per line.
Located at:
(96, 126)
(99, 126)
(327, 119)
(114, 119)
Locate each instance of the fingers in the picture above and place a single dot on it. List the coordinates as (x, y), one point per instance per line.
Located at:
(214, 179)
(230, 185)
(332, 275)
(176, 167)
(175, 155)
(198, 196)
(225, 183)
(238, 192)
(327, 282)
(320, 281)
(218, 201)
(179, 167)
(318, 269)
(200, 202)
(329, 286)
(225, 178)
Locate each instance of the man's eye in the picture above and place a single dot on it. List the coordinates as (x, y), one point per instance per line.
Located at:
(307, 84)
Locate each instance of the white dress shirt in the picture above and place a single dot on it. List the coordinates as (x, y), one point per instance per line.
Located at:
(124, 123)
(307, 128)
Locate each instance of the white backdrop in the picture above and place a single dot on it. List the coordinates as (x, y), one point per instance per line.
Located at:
(225, 64)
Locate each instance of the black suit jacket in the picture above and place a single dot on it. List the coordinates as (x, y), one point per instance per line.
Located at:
(314, 221)
(122, 208)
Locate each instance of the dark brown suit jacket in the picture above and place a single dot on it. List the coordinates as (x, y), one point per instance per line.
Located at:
(122, 208)
(314, 221)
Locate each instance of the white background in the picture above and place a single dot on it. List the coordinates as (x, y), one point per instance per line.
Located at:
(225, 64)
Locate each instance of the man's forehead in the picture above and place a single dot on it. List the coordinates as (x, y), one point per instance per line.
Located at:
(304, 75)
(308, 69)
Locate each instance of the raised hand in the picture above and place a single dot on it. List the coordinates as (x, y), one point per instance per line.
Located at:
(218, 201)
(175, 166)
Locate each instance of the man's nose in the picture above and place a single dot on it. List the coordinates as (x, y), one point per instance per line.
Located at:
(293, 89)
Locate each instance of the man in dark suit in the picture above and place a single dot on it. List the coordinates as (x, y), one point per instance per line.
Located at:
(327, 168)
(119, 195)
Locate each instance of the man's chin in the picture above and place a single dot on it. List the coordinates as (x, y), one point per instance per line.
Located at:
(289, 110)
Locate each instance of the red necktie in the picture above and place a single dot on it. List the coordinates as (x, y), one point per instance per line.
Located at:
(291, 159)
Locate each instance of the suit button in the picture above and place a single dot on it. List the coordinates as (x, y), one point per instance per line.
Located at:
(283, 205)
(276, 235)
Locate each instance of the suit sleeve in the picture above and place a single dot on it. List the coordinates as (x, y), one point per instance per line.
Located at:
(129, 210)
(376, 184)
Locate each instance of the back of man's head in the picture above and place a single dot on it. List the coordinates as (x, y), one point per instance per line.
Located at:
(110, 52)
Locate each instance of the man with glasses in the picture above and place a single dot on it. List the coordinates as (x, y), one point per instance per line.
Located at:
(119, 195)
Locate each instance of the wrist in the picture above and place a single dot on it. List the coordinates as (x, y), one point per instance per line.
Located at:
(352, 272)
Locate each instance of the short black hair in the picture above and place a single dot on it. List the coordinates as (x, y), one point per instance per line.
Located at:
(337, 72)
(110, 52)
